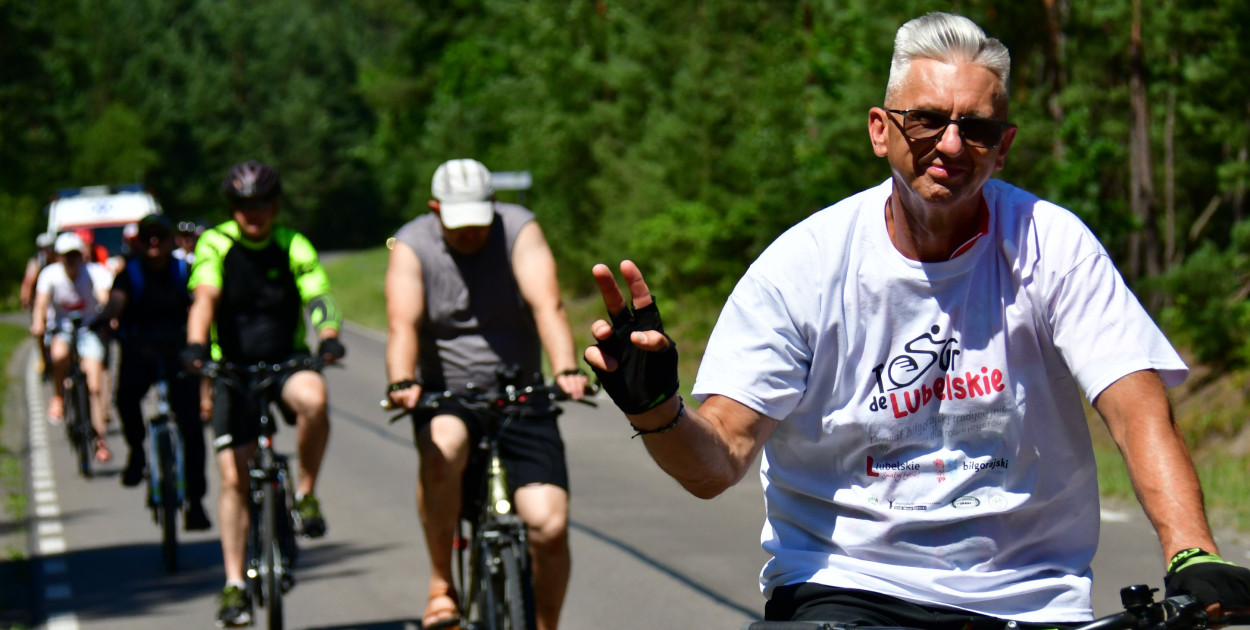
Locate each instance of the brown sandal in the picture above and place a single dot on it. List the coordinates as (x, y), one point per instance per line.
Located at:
(56, 410)
(442, 611)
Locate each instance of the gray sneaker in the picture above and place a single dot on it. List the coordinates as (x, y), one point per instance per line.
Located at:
(236, 608)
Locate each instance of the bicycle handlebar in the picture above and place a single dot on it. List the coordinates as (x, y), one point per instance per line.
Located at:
(529, 397)
(233, 374)
(1179, 612)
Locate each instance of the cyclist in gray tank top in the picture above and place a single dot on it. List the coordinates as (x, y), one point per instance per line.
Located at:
(471, 287)
(475, 317)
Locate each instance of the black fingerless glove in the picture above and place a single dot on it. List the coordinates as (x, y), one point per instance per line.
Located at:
(643, 380)
(1208, 578)
(192, 353)
(331, 347)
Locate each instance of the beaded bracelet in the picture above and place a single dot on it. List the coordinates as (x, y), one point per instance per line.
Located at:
(681, 413)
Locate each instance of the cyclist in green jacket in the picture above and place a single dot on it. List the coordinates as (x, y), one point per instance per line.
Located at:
(250, 281)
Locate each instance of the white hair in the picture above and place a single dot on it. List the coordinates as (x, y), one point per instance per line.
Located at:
(947, 38)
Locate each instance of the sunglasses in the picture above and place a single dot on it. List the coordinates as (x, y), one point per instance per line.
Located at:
(254, 204)
(975, 131)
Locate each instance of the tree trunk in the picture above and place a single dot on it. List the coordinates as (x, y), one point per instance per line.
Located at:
(1170, 256)
(1141, 244)
(1056, 68)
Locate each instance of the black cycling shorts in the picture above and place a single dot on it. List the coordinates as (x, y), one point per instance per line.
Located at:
(531, 448)
(817, 602)
(232, 425)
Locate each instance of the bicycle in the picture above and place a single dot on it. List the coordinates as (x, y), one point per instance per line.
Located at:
(271, 547)
(1141, 612)
(77, 403)
(167, 481)
(496, 574)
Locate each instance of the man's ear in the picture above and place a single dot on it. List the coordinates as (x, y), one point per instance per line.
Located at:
(877, 122)
(434, 205)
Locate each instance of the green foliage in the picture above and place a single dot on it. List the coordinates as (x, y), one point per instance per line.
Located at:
(112, 149)
(17, 242)
(1210, 312)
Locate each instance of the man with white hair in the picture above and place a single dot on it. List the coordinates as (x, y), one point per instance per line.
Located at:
(471, 287)
(911, 362)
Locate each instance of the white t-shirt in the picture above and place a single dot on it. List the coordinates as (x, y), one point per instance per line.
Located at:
(932, 444)
(76, 297)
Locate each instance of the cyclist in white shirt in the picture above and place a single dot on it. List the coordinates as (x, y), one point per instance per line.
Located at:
(67, 288)
(911, 361)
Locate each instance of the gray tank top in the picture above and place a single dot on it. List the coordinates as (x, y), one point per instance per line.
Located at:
(475, 319)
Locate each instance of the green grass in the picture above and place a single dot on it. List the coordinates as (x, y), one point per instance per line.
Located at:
(14, 570)
(10, 464)
(357, 280)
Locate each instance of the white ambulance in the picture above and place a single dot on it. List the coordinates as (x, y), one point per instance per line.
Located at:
(103, 211)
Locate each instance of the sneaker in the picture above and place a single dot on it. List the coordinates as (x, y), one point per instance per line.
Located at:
(236, 608)
(133, 474)
(312, 523)
(196, 517)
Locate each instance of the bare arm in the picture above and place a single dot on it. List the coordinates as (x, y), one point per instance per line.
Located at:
(39, 314)
(535, 270)
(711, 448)
(203, 308)
(405, 304)
(1139, 416)
(28, 283)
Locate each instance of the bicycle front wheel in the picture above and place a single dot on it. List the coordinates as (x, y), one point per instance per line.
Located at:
(78, 413)
(271, 555)
(168, 507)
(506, 592)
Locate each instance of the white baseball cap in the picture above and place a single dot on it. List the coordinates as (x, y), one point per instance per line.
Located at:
(463, 190)
(69, 242)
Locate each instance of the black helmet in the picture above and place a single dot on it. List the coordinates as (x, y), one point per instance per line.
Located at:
(251, 180)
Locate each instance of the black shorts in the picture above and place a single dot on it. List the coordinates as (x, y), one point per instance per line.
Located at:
(531, 448)
(232, 424)
(817, 602)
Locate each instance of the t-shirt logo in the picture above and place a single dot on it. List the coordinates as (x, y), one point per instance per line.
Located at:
(908, 382)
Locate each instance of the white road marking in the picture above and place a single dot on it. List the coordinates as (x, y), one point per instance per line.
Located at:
(1112, 516)
(49, 531)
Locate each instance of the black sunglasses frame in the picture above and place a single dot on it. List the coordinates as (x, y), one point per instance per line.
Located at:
(958, 122)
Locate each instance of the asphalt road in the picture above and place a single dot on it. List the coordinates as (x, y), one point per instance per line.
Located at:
(646, 555)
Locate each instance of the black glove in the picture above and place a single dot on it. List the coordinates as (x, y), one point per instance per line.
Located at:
(330, 347)
(192, 353)
(1209, 578)
(643, 380)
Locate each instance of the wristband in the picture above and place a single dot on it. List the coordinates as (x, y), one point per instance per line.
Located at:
(1183, 557)
(572, 372)
(404, 384)
(681, 413)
